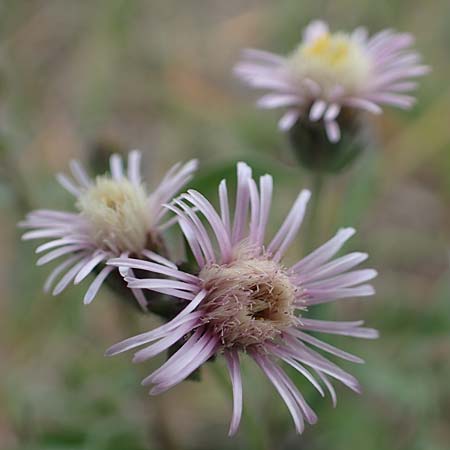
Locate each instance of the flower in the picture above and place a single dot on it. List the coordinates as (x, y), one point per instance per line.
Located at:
(116, 217)
(244, 300)
(332, 72)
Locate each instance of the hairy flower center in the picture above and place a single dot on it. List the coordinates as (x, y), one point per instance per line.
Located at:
(117, 213)
(249, 302)
(330, 60)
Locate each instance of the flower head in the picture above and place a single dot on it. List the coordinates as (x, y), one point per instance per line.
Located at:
(245, 300)
(116, 217)
(329, 72)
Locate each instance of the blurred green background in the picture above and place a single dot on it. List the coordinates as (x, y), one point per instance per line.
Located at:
(81, 79)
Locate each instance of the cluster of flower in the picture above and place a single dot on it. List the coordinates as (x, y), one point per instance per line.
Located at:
(236, 295)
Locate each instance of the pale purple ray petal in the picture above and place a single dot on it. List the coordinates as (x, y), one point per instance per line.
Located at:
(232, 359)
(266, 188)
(200, 233)
(325, 252)
(335, 267)
(134, 164)
(58, 243)
(332, 112)
(290, 227)
(285, 355)
(96, 284)
(401, 101)
(52, 215)
(180, 358)
(263, 56)
(209, 349)
(176, 293)
(363, 104)
(316, 361)
(344, 280)
(254, 209)
(312, 87)
(171, 185)
(262, 77)
(190, 235)
(96, 259)
(319, 296)
(80, 174)
(329, 386)
(69, 276)
(314, 30)
(167, 224)
(352, 329)
(308, 413)
(270, 101)
(59, 269)
(244, 173)
(138, 294)
(59, 252)
(377, 39)
(288, 120)
(406, 60)
(403, 86)
(325, 346)
(155, 268)
(68, 184)
(194, 232)
(360, 35)
(210, 214)
(161, 283)
(46, 232)
(283, 390)
(396, 75)
(116, 166)
(159, 259)
(317, 110)
(153, 335)
(392, 47)
(164, 343)
(224, 206)
(333, 131)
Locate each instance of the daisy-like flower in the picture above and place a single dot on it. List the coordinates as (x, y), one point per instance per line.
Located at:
(245, 300)
(329, 72)
(116, 217)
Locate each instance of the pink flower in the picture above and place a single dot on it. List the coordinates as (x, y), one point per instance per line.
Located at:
(331, 72)
(244, 300)
(116, 217)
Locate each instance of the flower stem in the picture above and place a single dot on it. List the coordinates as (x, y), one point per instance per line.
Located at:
(313, 226)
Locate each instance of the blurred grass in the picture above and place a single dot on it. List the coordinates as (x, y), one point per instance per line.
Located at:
(157, 75)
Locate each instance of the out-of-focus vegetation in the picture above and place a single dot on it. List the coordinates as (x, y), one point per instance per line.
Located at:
(79, 79)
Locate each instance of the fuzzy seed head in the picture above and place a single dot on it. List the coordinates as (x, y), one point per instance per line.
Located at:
(250, 301)
(117, 213)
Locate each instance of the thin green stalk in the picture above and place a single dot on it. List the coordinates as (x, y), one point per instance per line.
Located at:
(313, 228)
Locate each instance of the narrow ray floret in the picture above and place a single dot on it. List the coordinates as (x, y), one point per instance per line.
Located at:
(330, 73)
(244, 300)
(116, 216)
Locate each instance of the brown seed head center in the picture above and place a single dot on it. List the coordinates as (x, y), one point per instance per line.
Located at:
(250, 301)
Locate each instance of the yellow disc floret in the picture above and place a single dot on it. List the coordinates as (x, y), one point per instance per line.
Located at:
(330, 60)
(117, 213)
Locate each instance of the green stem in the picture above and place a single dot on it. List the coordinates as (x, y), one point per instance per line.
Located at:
(313, 229)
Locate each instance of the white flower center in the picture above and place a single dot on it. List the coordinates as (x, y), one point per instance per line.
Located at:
(330, 60)
(117, 213)
(250, 301)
